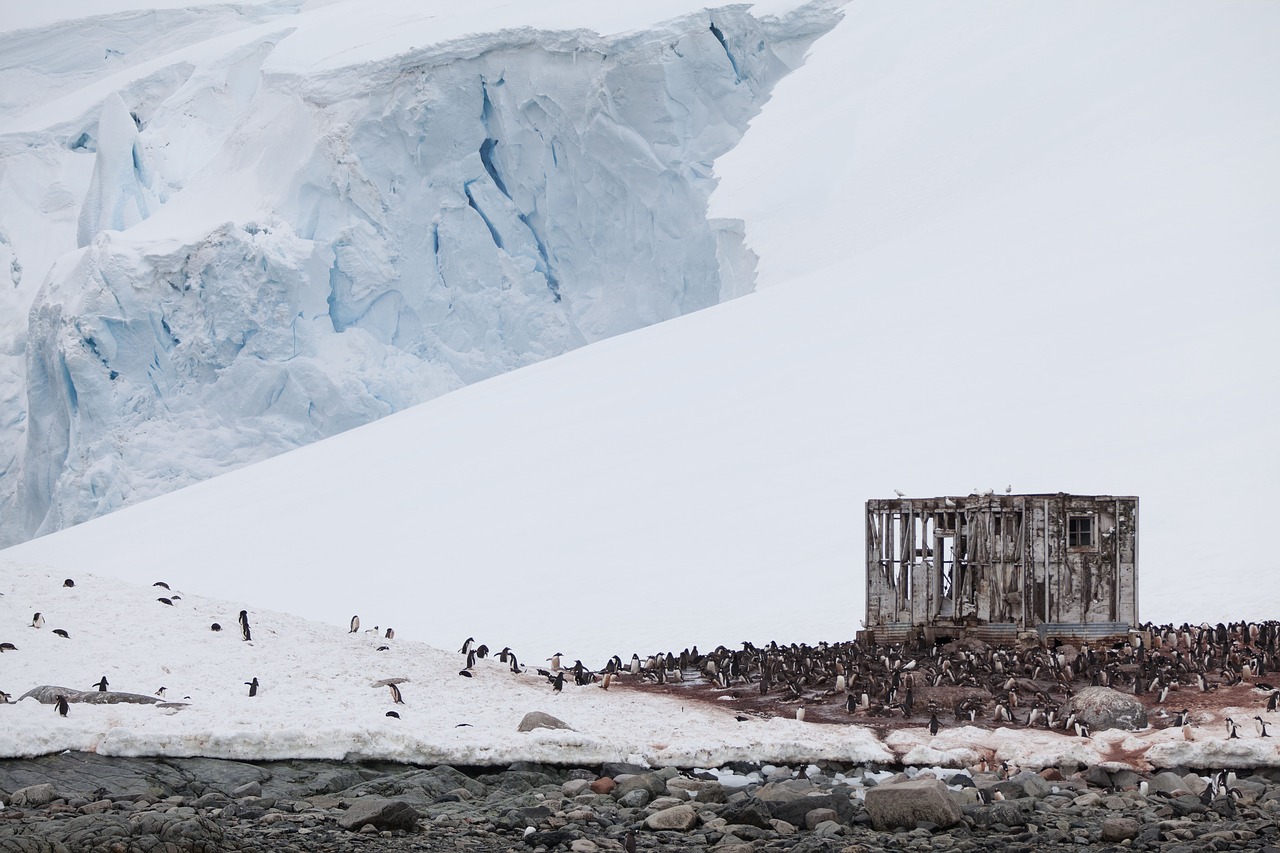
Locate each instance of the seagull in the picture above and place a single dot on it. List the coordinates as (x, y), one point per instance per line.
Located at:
(1008, 490)
(899, 493)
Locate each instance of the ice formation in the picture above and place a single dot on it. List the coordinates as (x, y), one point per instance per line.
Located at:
(283, 236)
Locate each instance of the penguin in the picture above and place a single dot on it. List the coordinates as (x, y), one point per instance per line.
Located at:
(61, 703)
(68, 583)
(466, 646)
(215, 627)
(635, 664)
(244, 626)
(1232, 730)
(608, 677)
(395, 695)
(165, 601)
(629, 842)
(1183, 718)
(391, 634)
(7, 647)
(800, 715)
(37, 621)
(355, 625)
(515, 664)
(161, 584)
(1082, 729)
(253, 686)
(557, 683)
(1262, 727)
(61, 633)
(502, 655)
(555, 662)
(382, 648)
(482, 651)
(160, 692)
(1273, 700)
(393, 714)
(4, 698)
(102, 685)
(934, 725)
(471, 659)
(465, 673)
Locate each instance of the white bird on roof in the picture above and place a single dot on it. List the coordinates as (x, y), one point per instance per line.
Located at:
(899, 493)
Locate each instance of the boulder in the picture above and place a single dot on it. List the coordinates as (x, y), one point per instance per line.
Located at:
(795, 811)
(603, 785)
(1167, 783)
(539, 720)
(1103, 708)
(902, 805)
(33, 795)
(752, 812)
(1119, 829)
(680, 818)
(651, 783)
(380, 814)
(817, 816)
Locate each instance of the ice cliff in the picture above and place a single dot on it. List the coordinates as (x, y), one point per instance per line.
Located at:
(292, 228)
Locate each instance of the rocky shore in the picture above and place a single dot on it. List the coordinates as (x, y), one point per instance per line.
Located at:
(83, 802)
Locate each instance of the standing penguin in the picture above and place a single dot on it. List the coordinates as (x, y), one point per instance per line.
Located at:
(61, 703)
(934, 725)
(1232, 732)
(37, 621)
(355, 624)
(558, 682)
(253, 686)
(102, 685)
(391, 634)
(395, 695)
(466, 645)
(1262, 727)
(244, 626)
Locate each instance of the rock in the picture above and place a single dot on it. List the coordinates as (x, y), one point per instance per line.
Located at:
(828, 829)
(380, 814)
(539, 720)
(794, 811)
(249, 789)
(1119, 828)
(1009, 814)
(1103, 708)
(636, 798)
(751, 813)
(904, 804)
(583, 845)
(817, 816)
(33, 795)
(1167, 783)
(575, 787)
(782, 827)
(680, 818)
(603, 785)
(652, 784)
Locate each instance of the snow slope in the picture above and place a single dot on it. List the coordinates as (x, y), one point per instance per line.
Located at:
(231, 232)
(1097, 320)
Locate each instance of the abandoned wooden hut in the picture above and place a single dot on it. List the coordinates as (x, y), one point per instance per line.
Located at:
(999, 567)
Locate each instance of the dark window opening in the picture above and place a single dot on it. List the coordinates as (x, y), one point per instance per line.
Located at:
(1080, 531)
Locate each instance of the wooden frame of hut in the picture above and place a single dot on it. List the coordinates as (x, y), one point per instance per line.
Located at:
(999, 567)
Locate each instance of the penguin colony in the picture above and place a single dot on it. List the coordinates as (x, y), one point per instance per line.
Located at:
(969, 682)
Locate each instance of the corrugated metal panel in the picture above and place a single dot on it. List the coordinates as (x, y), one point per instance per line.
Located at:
(994, 632)
(893, 632)
(1089, 632)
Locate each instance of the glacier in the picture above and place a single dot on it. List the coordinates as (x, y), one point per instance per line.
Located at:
(231, 246)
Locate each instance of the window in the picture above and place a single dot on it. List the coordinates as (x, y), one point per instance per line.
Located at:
(1080, 531)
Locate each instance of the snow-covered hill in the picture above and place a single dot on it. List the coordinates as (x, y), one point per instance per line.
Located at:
(1000, 245)
(239, 231)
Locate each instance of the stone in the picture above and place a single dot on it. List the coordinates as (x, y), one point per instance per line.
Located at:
(1119, 829)
(651, 783)
(621, 768)
(904, 804)
(1167, 783)
(794, 810)
(816, 816)
(603, 785)
(679, 818)
(583, 845)
(782, 827)
(827, 829)
(379, 813)
(33, 795)
(751, 813)
(1103, 708)
(636, 798)
(248, 789)
(539, 720)
(575, 787)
